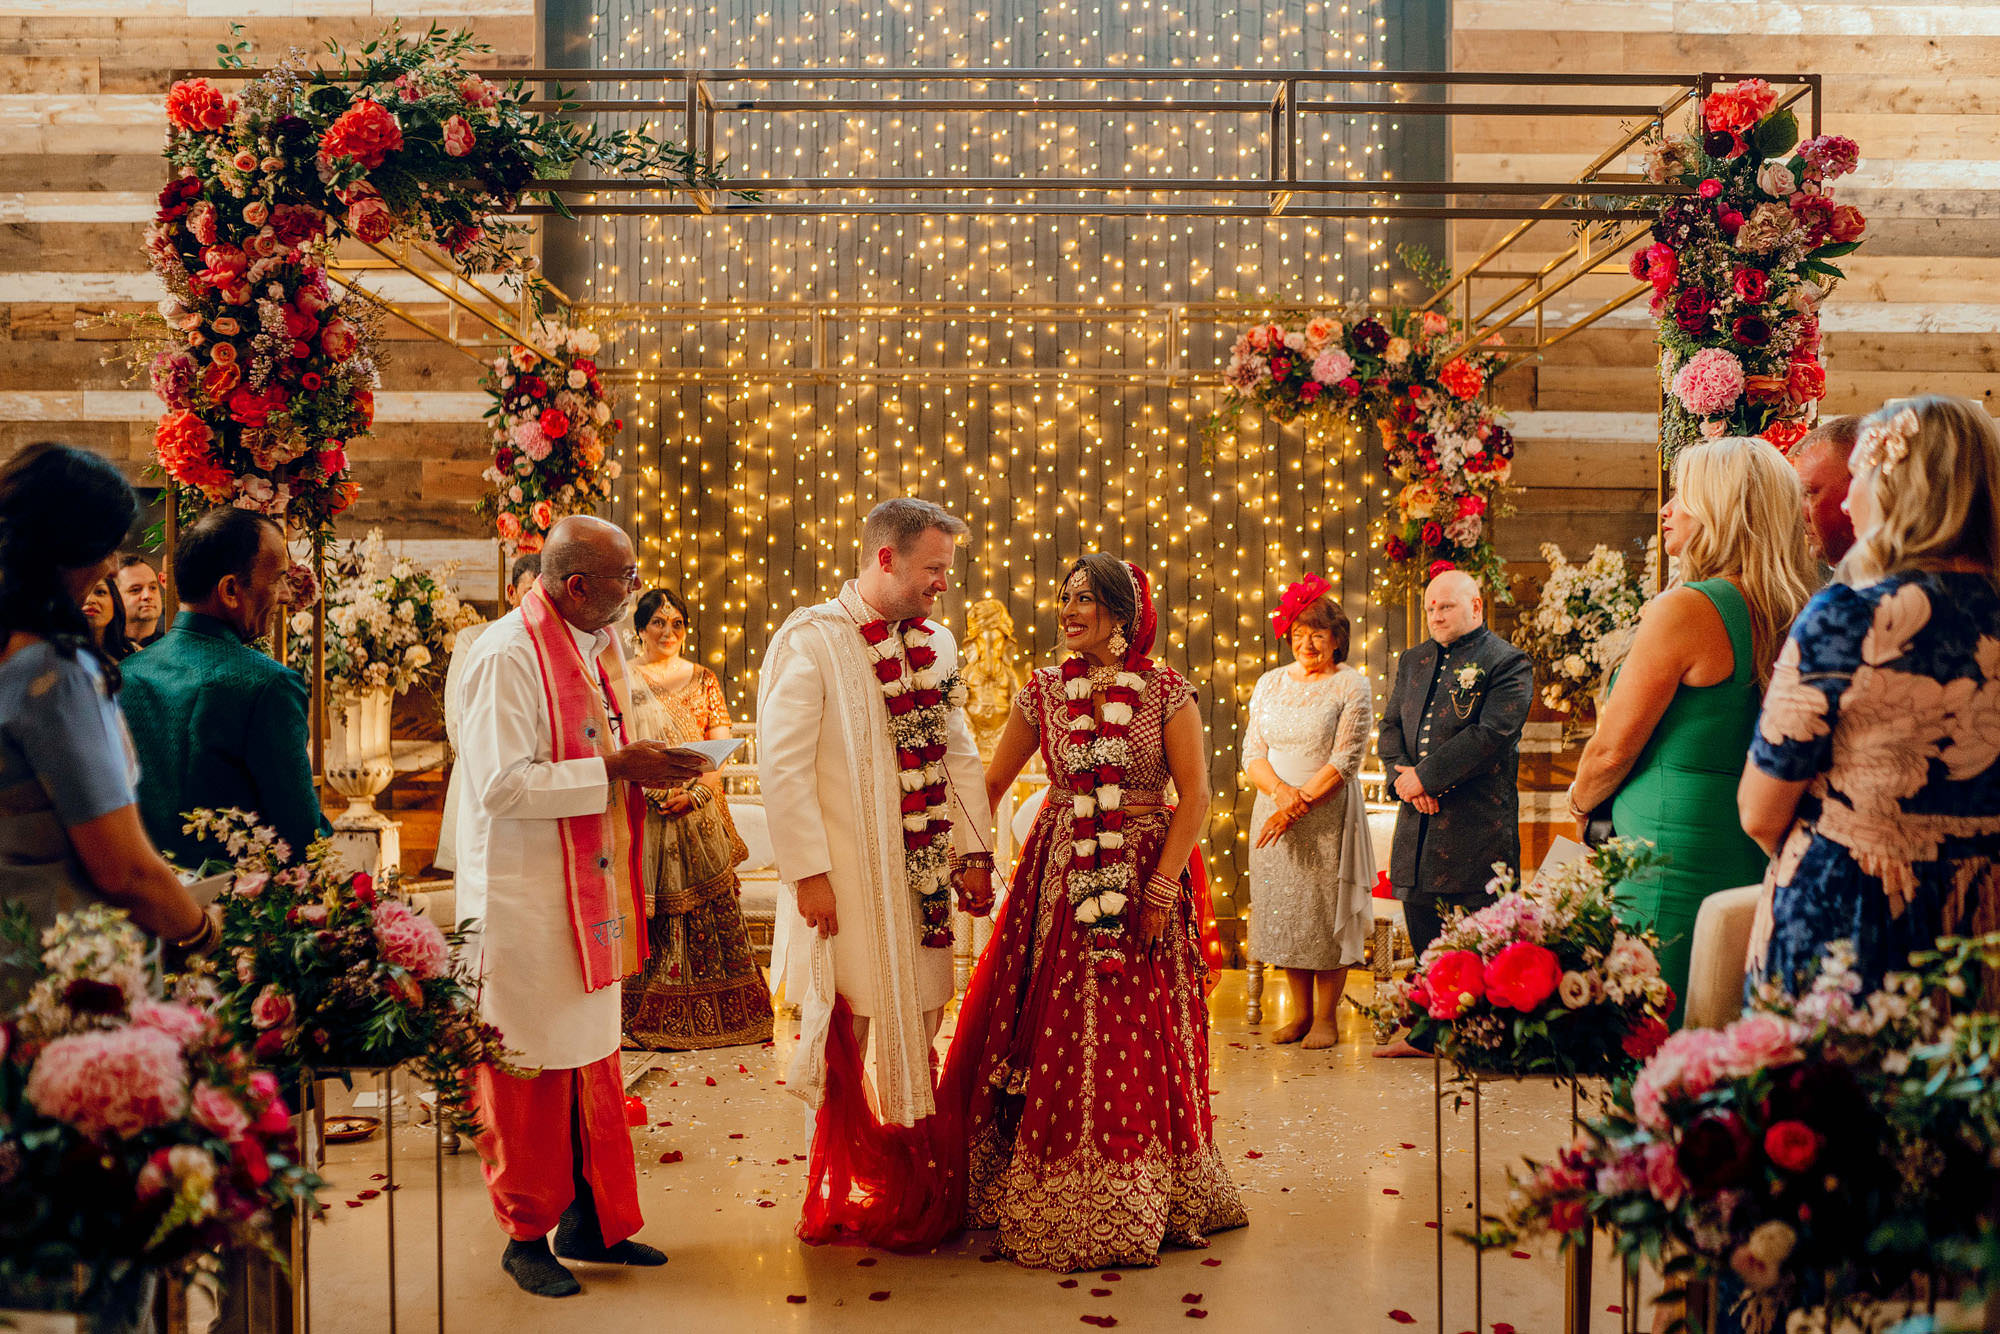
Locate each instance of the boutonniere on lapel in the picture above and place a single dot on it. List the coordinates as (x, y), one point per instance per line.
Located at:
(1465, 689)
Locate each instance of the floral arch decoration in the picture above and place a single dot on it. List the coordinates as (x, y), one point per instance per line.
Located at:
(1443, 442)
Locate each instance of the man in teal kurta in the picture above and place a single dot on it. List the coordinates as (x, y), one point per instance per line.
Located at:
(216, 723)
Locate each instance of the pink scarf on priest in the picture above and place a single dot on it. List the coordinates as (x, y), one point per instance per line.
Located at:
(600, 852)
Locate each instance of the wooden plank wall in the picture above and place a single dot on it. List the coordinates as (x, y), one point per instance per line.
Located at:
(1912, 82)
(82, 88)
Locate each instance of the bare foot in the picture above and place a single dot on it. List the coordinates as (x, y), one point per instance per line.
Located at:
(1291, 1032)
(1321, 1036)
(1396, 1050)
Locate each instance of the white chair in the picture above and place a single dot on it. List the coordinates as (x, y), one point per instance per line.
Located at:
(1720, 950)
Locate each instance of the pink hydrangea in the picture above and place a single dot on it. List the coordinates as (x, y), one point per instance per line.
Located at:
(112, 1083)
(219, 1112)
(528, 438)
(1332, 366)
(1710, 383)
(1831, 154)
(1759, 1041)
(183, 1023)
(410, 941)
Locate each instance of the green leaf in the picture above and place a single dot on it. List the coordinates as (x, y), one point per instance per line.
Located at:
(1775, 135)
(1820, 266)
(1837, 248)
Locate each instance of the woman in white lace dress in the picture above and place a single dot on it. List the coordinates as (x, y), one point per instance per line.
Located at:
(1312, 867)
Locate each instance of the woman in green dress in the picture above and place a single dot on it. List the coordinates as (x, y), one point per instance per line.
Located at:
(1674, 731)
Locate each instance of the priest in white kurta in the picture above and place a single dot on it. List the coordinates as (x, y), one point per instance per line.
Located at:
(547, 786)
(829, 774)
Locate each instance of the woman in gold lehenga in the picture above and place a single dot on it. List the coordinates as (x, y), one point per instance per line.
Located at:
(701, 986)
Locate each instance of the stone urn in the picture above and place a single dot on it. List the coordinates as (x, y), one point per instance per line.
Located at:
(359, 766)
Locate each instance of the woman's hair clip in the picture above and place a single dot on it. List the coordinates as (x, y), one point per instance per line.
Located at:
(1886, 444)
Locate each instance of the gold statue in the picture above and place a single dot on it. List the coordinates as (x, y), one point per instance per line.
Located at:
(991, 670)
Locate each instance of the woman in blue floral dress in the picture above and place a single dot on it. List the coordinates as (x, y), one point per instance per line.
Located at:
(1872, 780)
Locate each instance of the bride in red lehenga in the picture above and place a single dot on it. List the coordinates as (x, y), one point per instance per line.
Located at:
(1078, 1076)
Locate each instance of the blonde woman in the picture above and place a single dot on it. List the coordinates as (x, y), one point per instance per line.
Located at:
(1672, 736)
(1871, 781)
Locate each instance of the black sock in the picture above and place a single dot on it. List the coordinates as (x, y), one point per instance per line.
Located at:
(529, 1264)
(579, 1233)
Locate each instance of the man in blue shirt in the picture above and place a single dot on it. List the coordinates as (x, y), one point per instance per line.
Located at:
(215, 722)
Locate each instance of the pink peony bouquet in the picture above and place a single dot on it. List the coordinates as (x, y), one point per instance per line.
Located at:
(135, 1133)
(324, 970)
(1444, 441)
(1740, 267)
(1827, 1151)
(1543, 981)
(552, 427)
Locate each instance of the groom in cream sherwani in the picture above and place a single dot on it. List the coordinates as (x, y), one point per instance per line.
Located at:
(830, 780)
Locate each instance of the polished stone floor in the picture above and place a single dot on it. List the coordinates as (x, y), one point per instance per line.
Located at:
(1333, 1152)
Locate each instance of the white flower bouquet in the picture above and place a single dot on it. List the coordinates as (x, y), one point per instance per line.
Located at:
(388, 623)
(1583, 625)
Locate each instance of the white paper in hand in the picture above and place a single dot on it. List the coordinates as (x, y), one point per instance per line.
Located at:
(713, 753)
(1561, 853)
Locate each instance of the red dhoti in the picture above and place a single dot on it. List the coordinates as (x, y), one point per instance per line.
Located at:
(540, 1135)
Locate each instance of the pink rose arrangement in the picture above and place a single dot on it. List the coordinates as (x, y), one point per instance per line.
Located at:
(1827, 1147)
(135, 1136)
(328, 970)
(1740, 267)
(1393, 375)
(397, 139)
(552, 423)
(1542, 981)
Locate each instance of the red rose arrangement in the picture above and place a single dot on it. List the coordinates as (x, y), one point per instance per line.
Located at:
(919, 696)
(258, 347)
(1442, 441)
(1834, 1139)
(551, 428)
(1740, 268)
(1543, 981)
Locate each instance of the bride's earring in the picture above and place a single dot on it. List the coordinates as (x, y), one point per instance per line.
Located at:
(1118, 642)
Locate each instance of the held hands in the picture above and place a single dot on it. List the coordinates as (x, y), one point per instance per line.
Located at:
(1411, 789)
(1286, 797)
(975, 889)
(815, 899)
(652, 764)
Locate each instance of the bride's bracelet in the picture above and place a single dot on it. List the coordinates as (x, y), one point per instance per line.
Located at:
(1162, 892)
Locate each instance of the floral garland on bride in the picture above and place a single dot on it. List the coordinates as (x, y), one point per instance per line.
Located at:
(919, 699)
(1101, 874)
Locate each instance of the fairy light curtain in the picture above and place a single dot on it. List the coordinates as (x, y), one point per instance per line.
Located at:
(745, 488)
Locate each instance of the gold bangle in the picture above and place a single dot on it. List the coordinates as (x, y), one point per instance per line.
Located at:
(197, 937)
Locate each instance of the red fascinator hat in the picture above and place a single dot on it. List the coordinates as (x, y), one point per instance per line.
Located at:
(1295, 599)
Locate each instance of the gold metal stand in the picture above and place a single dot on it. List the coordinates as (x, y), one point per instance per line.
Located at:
(312, 1114)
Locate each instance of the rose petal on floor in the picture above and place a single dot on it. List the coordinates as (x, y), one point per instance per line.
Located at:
(737, 1135)
(1101, 1321)
(796, 1298)
(711, 1081)
(1252, 1153)
(367, 1194)
(767, 1204)
(1100, 1292)
(1521, 1255)
(672, 1156)
(1391, 1190)
(1212, 1262)
(878, 1296)
(1066, 1283)
(1195, 1313)
(1406, 1144)
(1502, 1327)
(866, 1262)
(1402, 1317)
(1191, 1299)
(1111, 1278)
